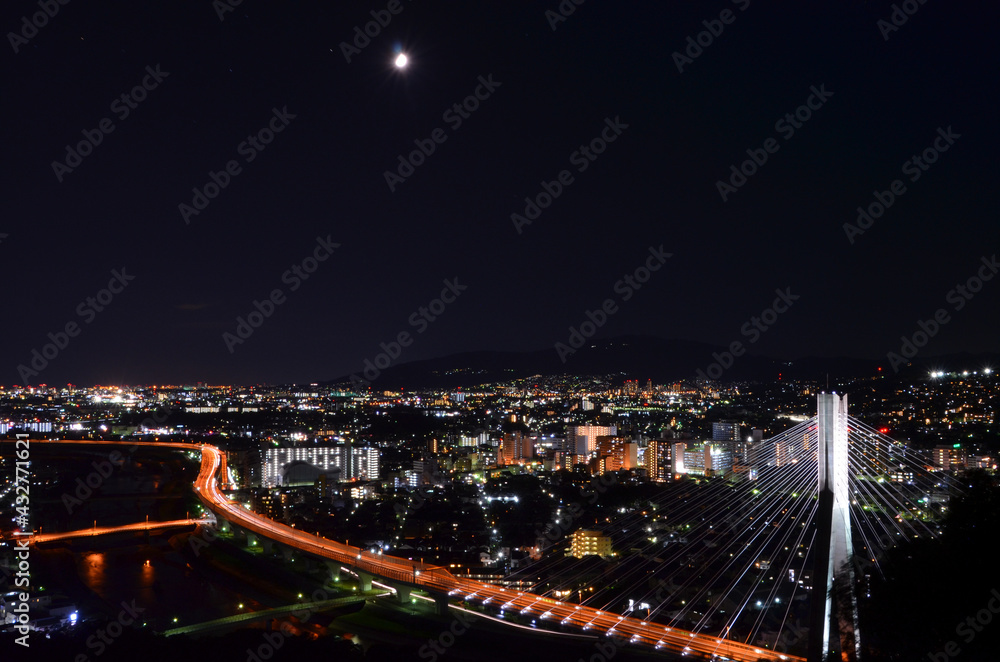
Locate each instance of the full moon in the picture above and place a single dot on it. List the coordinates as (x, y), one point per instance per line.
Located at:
(401, 61)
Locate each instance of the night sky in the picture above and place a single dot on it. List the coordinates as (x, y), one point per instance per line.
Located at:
(549, 92)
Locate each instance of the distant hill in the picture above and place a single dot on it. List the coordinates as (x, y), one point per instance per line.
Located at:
(642, 358)
(636, 357)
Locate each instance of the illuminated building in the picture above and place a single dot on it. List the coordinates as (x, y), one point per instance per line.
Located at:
(950, 457)
(616, 453)
(725, 431)
(516, 448)
(981, 462)
(656, 458)
(677, 458)
(586, 542)
(582, 439)
(353, 462)
(708, 459)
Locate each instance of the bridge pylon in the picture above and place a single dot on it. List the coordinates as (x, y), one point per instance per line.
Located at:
(833, 628)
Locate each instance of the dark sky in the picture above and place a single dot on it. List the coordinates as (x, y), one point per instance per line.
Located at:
(323, 175)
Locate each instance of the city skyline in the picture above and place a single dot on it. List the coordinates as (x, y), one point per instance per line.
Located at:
(608, 505)
(572, 330)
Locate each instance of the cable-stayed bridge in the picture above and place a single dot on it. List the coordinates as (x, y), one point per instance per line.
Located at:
(760, 565)
(806, 522)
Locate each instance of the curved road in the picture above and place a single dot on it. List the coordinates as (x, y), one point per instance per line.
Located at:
(439, 580)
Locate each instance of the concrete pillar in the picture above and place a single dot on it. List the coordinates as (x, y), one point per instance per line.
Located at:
(441, 604)
(402, 593)
(365, 581)
(268, 546)
(335, 569)
(833, 546)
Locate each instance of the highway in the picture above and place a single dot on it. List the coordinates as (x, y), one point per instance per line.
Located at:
(106, 530)
(439, 580)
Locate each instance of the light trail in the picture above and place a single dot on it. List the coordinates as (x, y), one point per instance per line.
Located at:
(36, 538)
(440, 581)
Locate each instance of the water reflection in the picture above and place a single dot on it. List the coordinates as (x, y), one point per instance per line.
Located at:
(95, 571)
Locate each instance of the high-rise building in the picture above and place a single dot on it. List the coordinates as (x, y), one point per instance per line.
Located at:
(617, 453)
(677, 457)
(718, 459)
(517, 448)
(725, 431)
(352, 462)
(705, 459)
(656, 458)
(582, 439)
